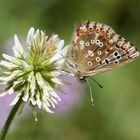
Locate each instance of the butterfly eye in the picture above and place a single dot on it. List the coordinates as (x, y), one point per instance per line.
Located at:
(82, 79)
(97, 29)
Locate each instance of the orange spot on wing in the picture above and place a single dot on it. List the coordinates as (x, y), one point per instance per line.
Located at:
(108, 43)
(107, 35)
(91, 30)
(103, 32)
(81, 31)
(97, 30)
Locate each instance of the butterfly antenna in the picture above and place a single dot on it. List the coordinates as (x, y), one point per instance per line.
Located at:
(96, 82)
(91, 93)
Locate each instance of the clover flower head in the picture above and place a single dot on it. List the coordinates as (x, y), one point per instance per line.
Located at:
(33, 72)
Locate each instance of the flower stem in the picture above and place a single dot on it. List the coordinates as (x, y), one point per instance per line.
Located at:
(10, 118)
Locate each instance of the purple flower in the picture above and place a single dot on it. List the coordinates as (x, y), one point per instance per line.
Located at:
(5, 108)
(72, 96)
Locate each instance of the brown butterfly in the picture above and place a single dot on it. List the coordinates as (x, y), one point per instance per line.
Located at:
(96, 48)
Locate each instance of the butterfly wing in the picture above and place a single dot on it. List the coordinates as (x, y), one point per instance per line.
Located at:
(97, 48)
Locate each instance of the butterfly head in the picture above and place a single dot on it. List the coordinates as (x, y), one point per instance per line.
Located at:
(83, 79)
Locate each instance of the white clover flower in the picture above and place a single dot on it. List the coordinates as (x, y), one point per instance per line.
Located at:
(34, 70)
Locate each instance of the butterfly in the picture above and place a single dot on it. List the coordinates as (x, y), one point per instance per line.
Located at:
(96, 48)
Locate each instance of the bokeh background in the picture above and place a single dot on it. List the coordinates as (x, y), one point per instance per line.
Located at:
(116, 114)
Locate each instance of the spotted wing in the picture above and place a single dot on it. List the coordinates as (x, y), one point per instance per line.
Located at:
(97, 48)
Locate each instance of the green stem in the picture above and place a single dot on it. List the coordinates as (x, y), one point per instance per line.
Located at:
(10, 118)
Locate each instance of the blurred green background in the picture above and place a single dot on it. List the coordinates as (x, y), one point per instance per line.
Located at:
(116, 114)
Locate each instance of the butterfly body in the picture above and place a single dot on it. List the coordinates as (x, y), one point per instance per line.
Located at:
(96, 48)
